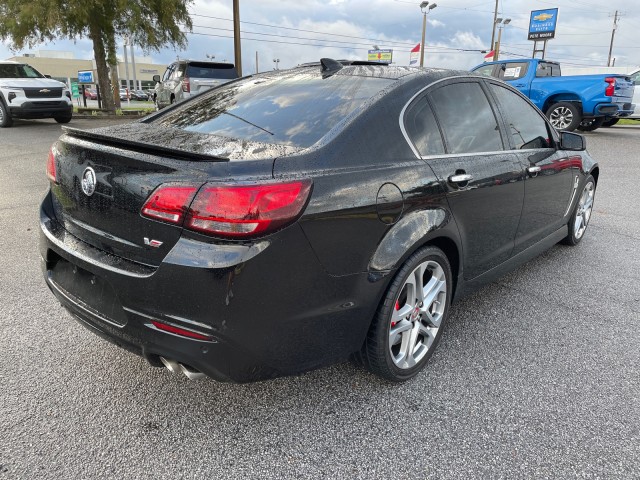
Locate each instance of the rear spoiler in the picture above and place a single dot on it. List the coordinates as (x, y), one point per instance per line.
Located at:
(141, 147)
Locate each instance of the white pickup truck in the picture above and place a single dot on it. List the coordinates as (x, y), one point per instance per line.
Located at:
(26, 93)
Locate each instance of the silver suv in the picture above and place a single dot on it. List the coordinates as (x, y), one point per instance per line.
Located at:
(26, 93)
(185, 78)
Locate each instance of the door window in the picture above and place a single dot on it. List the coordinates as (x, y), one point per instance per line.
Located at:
(512, 70)
(466, 118)
(168, 73)
(528, 128)
(487, 70)
(422, 128)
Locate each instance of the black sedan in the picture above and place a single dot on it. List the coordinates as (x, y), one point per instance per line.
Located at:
(289, 220)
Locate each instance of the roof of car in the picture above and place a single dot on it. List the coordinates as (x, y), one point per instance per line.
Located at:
(10, 62)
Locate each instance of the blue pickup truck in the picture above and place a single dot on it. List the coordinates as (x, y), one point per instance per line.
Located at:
(580, 101)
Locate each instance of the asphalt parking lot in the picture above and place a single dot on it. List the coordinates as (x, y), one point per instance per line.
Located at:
(537, 376)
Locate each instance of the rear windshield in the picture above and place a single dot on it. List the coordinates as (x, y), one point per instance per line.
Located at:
(296, 109)
(11, 70)
(208, 70)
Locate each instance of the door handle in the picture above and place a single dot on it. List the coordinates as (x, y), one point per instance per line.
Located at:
(534, 169)
(460, 178)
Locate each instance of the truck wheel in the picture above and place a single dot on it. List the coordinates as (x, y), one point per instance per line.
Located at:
(590, 124)
(610, 123)
(66, 118)
(564, 116)
(5, 118)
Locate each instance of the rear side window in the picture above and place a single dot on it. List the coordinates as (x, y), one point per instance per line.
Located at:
(209, 70)
(528, 128)
(545, 69)
(512, 70)
(422, 129)
(296, 109)
(466, 118)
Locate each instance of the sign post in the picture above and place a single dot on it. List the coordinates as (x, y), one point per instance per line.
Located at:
(542, 27)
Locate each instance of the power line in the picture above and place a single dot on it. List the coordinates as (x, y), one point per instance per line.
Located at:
(432, 49)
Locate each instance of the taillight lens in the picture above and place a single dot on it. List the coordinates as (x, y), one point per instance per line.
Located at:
(169, 203)
(245, 211)
(611, 87)
(51, 166)
(186, 85)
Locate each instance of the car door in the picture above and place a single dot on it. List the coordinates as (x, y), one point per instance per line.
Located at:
(635, 78)
(515, 74)
(551, 173)
(483, 182)
(162, 91)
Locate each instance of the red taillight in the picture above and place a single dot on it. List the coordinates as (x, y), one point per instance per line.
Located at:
(244, 211)
(51, 166)
(169, 203)
(610, 87)
(181, 331)
(186, 86)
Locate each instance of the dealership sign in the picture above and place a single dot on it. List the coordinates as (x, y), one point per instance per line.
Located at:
(382, 56)
(542, 24)
(86, 76)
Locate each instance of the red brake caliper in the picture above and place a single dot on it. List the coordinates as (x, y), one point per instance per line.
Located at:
(393, 324)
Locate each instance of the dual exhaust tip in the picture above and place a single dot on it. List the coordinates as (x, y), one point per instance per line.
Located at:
(175, 367)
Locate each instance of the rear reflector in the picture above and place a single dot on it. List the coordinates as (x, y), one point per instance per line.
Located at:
(245, 211)
(611, 87)
(169, 203)
(51, 166)
(181, 331)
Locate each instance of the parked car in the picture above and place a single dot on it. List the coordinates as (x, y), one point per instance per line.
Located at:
(570, 102)
(635, 78)
(124, 94)
(26, 93)
(185, 78)
(139, 95)
(91, 93)
(293, 219)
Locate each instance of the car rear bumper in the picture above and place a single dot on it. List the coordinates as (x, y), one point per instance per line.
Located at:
(41, 109)
(270, 310)
(614, 110)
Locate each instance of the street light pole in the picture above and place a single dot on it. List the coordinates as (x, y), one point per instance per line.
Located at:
(501, 24)
(425, 11)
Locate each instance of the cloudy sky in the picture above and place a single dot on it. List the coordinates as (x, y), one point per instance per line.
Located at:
(297, 31)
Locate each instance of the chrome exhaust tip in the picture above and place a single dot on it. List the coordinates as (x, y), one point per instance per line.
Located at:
(175, 367)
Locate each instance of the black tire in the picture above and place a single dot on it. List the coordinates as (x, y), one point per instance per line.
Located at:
(564, 116)
(378, 353)
(575, 233)
(590, 124)
(5, 119)
(66, 118)
(610, 123)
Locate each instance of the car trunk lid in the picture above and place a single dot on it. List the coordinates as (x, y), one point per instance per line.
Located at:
(122, 166)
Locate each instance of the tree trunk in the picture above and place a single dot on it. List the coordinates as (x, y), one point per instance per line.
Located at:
(95, 34)
(112, 60)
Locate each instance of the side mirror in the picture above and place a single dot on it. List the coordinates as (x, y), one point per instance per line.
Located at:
(156, 78)
(572, 141)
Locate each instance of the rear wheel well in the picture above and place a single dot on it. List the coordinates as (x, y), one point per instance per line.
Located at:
(450, 249)
(562, 98)
(594, 173)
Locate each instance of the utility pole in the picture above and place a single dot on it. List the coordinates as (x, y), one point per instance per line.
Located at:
(493, 25)
(236, 36)
(613, 34)
(424, 29)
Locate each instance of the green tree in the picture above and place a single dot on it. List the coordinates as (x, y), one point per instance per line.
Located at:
(150, 24)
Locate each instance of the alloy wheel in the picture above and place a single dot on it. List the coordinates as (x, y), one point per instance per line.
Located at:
(418, 314)
(561, 117)
(583, 212)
